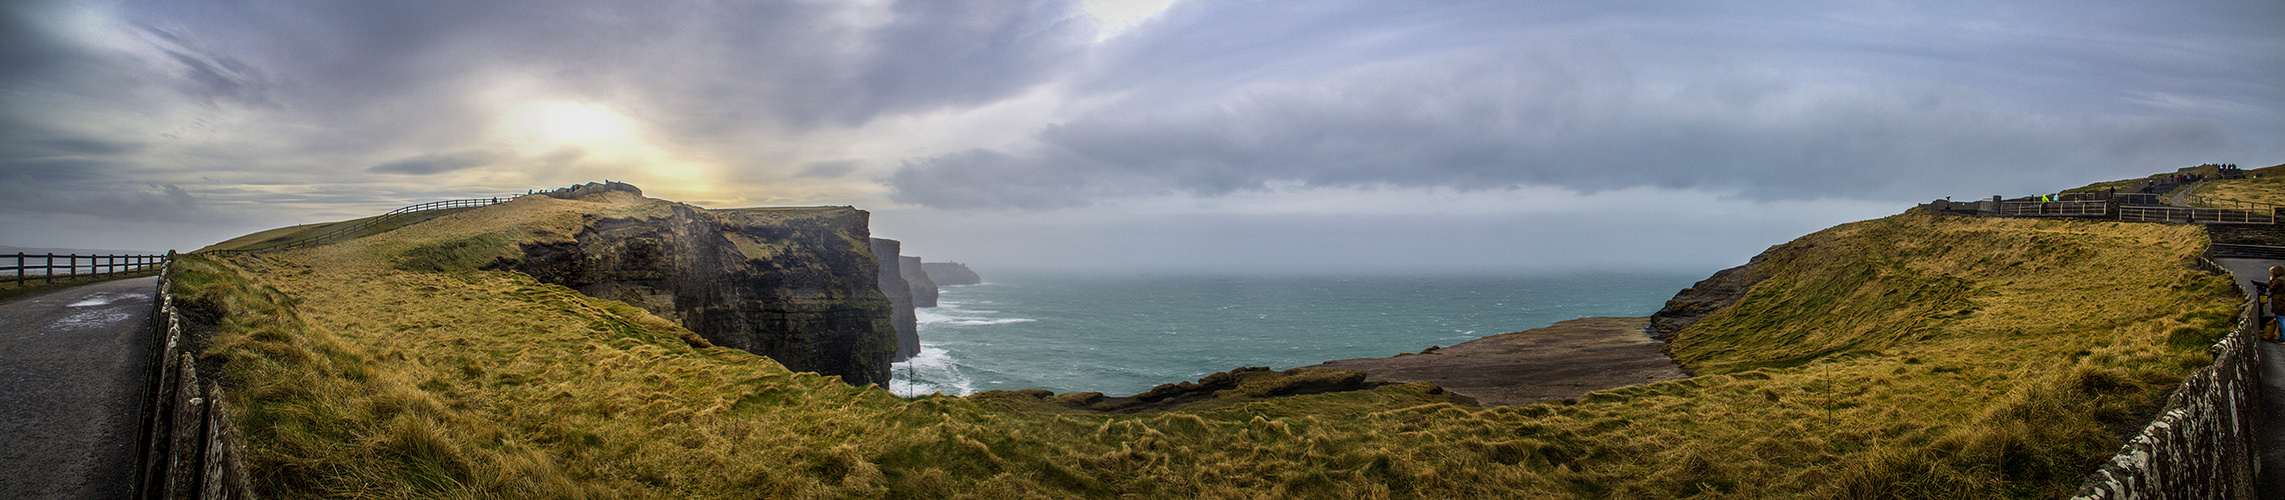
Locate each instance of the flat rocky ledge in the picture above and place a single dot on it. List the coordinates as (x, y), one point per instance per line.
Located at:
(1564, 360)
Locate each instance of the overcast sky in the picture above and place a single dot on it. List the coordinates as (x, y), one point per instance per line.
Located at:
(1152, 136)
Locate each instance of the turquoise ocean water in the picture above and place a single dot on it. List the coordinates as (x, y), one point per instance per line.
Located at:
(1123, 335)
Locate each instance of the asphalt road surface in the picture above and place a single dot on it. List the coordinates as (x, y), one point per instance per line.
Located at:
(71, 375)
(2272, 481)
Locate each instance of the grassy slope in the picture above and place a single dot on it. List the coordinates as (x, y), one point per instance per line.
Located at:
(1912, 356)
(291, 233)
(2270, 188)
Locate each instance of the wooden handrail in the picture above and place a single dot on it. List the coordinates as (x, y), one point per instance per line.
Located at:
(96, 266)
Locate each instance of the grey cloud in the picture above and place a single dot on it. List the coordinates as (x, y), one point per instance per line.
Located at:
(152, 203)
(939, 54)
(1882, 142)
(776, 67)
(827, 169)
(430, 164)
(221, 78)
(29, 49)
(30, 152)
(983, 178)
(90, 146)
(1618, 100)
(356, 79)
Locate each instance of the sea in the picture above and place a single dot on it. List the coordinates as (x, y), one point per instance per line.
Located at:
(1122, 335)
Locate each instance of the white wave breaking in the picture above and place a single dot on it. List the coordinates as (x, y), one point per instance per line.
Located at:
(931, 372)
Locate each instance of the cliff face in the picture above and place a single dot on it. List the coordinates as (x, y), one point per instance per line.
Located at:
(1712, 294)
(800, 285)
(893, 285)
(923, 288)
(951, 273)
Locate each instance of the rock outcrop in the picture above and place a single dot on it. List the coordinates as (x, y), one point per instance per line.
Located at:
(923, 288)
(899, 292)
(1216, 390)
(800, 285)
(950, 273)
(1565, 360)
(591, 189)
(1721, 290)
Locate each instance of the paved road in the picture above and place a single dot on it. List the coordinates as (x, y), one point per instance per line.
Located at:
(71, 375)
(2272, 384)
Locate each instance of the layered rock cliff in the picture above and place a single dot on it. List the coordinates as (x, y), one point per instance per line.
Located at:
(923, 288)
(951, 273)
(893, 285)
(800, 285)
(1721, 290)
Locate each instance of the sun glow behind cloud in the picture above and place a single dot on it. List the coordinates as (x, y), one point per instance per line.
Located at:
(557, 123)
(564, 140)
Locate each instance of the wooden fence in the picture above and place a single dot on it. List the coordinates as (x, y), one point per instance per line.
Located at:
(352, 230)
(2203, 201)
(2086, 208)
(2194, 215)
(188, 447)
(72, 266)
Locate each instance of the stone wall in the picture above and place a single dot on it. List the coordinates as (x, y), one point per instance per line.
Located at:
(188, 445)
(2203, 444)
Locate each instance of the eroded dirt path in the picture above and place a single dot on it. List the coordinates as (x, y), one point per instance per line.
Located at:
(71, 375)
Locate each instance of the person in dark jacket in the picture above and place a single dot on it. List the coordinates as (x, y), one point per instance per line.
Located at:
(2276, 293)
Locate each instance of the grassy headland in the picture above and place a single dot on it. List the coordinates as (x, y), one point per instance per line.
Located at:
(1912, 356)
(2268, 188)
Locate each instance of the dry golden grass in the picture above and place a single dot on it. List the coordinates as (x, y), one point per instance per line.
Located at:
(2270, 188)
(1914, 356)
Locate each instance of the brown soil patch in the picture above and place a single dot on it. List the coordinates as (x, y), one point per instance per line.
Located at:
(1564, 360)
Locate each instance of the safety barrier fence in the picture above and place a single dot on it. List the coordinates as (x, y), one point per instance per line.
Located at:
(46, 267)
(2194, 215)
(2054, 208)
(2217, 211)
(2204, 201)
(188, 447)
(355, 229)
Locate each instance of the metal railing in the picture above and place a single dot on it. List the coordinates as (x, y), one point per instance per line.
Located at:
(2193, 215)
(2257, 212)
(72, 266)
(350, 230)
(2087, 208)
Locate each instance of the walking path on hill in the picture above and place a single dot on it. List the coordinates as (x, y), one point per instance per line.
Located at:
(2176, 199)
(2272, 383)
(71, 377)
